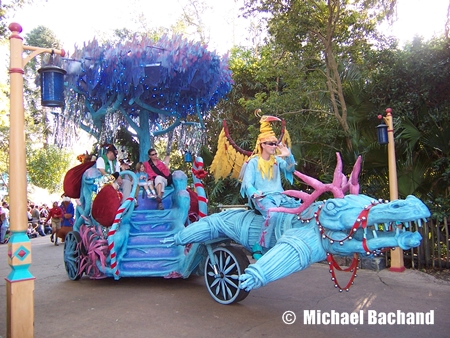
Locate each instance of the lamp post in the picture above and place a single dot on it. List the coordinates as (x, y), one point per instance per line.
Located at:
(20, 282)
(397, 264)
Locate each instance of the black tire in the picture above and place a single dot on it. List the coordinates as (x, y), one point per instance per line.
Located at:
(224, 287)
(72, 255)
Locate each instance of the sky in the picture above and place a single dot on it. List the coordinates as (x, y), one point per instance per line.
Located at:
(76, 22)
(81, 20)
(419, 17)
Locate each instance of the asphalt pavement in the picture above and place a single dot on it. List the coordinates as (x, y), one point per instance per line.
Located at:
(158, 307)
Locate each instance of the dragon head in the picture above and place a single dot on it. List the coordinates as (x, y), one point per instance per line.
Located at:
(340, 214)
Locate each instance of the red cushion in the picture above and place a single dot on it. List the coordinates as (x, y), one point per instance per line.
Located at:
(105, 206)
(193, 208)
(72, 180)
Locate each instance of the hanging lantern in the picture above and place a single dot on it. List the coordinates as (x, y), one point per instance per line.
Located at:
(187, 157)
(152, 74)
(52, 86)
(382, 133)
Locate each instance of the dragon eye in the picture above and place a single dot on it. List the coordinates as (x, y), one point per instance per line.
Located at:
(330, 206)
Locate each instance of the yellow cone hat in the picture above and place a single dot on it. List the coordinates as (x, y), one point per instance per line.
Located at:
(228, 161)
(266, 133)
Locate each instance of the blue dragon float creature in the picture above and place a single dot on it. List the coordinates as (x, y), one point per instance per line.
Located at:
(346, 225)
(116, 238)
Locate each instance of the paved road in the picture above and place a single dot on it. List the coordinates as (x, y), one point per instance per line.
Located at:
(156, 307)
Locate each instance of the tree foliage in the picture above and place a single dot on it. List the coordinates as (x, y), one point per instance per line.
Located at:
(47, 166)
(415, 83)
(6, 10)
(4, 130)
(38, 124)
(314, 41)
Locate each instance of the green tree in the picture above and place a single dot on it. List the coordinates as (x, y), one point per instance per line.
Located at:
(415, 83)
(313, 41)
(4, 130)
(39, 127)
(6, 9)
(192, 17)
(47, 166)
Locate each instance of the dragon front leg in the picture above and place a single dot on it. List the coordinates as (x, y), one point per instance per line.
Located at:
(227, 224)
(296, 250)
(203, 230)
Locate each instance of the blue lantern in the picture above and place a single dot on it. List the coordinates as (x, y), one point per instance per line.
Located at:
(52, 86)
(382, 133)
(187, 157)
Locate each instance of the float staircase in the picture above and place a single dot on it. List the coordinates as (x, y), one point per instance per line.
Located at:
(145, 254)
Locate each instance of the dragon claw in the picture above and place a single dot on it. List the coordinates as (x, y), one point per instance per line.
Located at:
(249, 282)
(168, 240)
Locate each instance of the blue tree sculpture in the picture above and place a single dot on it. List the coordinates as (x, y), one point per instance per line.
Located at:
(148, 86)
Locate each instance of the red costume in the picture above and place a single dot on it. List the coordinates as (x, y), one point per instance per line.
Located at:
(54, 212)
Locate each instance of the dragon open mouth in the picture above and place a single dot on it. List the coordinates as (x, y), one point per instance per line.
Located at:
(377, 225)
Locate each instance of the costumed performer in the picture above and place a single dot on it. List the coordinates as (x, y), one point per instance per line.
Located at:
(108, 165)
(261, 181)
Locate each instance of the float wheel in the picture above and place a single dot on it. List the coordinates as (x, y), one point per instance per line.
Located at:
(73, 255)
(224, 286)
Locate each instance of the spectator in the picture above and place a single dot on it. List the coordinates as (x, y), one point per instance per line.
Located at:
(4, 220)
(56, 215)
(36, 220)
(68, 212)
(31, 233)
(43, 212)
(29, 214)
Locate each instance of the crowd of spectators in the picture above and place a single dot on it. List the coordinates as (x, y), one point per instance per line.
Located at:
(40, 219)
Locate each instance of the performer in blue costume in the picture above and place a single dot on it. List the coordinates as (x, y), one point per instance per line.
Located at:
(261, 181)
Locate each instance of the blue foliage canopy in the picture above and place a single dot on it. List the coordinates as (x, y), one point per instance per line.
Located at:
(171, 76)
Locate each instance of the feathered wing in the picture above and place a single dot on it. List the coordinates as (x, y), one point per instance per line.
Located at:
(230, 159)
(227, 161)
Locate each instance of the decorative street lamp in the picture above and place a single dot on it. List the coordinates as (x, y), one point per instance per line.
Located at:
(20, 282)
(52, 86)
(382, 133)
(386, 136)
